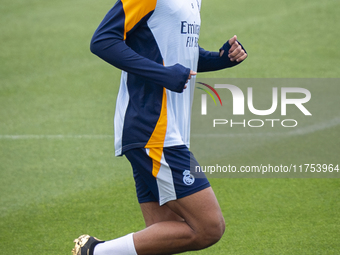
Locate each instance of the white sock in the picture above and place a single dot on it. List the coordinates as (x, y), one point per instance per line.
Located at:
(120, 246)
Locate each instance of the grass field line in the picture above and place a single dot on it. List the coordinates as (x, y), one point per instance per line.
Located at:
(53, 137)
(298, 131)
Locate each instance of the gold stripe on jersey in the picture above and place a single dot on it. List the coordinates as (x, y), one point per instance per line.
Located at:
(135, 10)
(156, 141)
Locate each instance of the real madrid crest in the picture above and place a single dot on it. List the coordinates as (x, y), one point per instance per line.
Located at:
(188, 178)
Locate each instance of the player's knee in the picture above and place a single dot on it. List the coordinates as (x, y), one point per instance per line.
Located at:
(215, 232)
(212, 233)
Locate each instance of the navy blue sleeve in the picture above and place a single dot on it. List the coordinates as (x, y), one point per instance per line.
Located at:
(108, 43)
(211, 61)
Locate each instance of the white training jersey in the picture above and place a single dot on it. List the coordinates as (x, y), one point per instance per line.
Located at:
(156, 43)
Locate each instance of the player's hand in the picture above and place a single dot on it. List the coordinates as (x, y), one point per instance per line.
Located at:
(235, 52)
(192, 73)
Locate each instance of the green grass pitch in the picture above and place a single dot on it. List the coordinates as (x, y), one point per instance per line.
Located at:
(58, 175)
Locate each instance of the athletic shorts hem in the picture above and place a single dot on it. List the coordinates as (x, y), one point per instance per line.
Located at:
(186, 194)
(167, 199)
(172, 198)
(146, 200)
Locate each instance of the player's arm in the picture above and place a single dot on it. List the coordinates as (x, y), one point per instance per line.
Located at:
(108, 43)
(232, 53)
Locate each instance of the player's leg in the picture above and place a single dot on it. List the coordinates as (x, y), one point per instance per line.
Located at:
(203, 226)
